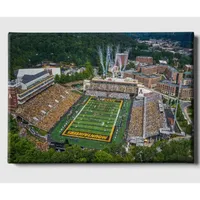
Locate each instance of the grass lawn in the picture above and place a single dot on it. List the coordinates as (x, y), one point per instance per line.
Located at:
(190, 112)
(40, 131)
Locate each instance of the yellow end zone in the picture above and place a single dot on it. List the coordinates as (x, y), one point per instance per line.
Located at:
(90, 136)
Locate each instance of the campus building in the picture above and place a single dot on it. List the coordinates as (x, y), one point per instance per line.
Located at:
(27, 86)
(31, 85)
(12, 96)
(188, 68)
(144, 59)
(167, 87)
(186, 92)
(187, 81)
(172, 89)
(149, 81)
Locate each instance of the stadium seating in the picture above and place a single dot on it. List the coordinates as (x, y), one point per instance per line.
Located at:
(108, 94)
(154, 119)
(136, 121)
(111, 87)
(45, 109)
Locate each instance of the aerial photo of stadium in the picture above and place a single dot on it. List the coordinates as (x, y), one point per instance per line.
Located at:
(124, 99)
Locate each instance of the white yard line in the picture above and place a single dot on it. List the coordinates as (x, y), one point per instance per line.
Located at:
(81, 109)
(117, 116)
(87, 103)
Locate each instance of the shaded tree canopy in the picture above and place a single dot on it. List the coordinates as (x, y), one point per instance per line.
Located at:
(28, 49)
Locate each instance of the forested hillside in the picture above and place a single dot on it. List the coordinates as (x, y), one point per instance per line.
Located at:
(28, 49)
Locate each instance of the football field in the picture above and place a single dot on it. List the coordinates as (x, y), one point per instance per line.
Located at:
(96, 120)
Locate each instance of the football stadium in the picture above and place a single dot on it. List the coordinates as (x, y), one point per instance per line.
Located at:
(108, 110)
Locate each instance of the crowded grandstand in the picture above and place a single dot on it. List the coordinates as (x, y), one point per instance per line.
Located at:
(46, 108)
(147, 117)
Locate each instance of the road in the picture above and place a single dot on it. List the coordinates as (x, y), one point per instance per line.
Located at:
(184, 106)
(187, 137)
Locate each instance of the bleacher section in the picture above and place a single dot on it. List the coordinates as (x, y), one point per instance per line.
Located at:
(146, 117)
(136, 121)
(154, 118)
(45, 109)
(107, 94)
(105, 86)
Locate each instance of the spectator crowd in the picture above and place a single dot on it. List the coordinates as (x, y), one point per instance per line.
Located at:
(45, 109)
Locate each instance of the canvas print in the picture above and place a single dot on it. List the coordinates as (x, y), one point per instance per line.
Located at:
(101, 97)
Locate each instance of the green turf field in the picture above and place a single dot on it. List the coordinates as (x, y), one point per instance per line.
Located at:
(96, 120)
(93, 116)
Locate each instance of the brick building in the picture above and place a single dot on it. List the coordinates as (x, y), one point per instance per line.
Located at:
(172, 89)
(161, 68)
(179, 77)
(171, 73)
(149, 81)
(167, 87)
(144, 59)
(186, 92)
(149, 69)
(187, 81)
(12, 96)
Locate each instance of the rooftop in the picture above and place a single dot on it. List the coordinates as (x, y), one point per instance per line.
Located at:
(172, 69)
(187, 72)
(167, 82)
(145, 75)
(144, 57)
(12, 82)
(28, 78)
(148, 66)
(116, 80)
(186, 86)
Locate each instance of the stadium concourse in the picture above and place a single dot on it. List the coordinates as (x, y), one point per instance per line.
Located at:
(45, 109)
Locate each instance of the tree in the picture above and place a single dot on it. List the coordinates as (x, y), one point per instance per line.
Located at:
(103, 157)
(130, 65)
(12, 124)
(189, 129)
(89, 69)
(57, 78)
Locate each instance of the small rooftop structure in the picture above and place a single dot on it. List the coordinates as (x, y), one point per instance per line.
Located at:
(163, 62)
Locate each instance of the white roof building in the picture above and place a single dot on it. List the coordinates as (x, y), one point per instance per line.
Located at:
(33, 71)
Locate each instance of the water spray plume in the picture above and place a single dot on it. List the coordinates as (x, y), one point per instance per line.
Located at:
(101, 59)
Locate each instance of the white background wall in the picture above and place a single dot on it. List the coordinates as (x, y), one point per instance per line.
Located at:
(92, 172)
